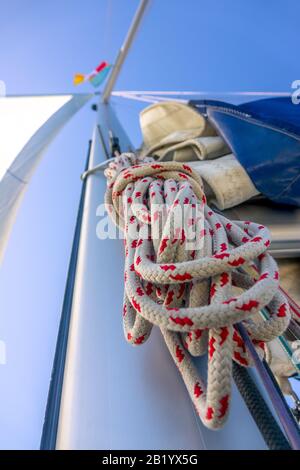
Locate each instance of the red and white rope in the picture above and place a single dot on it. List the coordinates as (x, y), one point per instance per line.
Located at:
(195, 296)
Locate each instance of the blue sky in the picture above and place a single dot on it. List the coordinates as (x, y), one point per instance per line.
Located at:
(222, 45)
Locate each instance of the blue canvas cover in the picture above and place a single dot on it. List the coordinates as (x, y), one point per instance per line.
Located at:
(264, 135)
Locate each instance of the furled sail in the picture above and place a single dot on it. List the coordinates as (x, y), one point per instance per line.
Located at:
(28, 124)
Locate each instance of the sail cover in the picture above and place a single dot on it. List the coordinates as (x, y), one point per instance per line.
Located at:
(27, 126)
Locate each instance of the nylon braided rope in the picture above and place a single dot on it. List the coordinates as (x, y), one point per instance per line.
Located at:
(195, 296)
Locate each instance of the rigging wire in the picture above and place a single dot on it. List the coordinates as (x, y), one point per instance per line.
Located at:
(203, 93)
(153, 97)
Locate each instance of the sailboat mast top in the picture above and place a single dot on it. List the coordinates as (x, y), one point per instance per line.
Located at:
(124, 50)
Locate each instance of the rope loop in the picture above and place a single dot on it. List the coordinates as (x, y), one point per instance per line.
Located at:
(194, 274)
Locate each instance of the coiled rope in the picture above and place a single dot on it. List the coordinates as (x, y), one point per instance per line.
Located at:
(195, 296)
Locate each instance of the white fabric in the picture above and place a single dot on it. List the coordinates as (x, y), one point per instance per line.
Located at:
(162, 119)
(229, 183)
(176, 147)
(176, 131)
(27, 126)
(20, 117)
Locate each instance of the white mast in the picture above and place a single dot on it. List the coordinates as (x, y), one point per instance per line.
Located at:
(124, 49)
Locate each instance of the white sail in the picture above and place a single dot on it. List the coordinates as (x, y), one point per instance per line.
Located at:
(28, 124)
